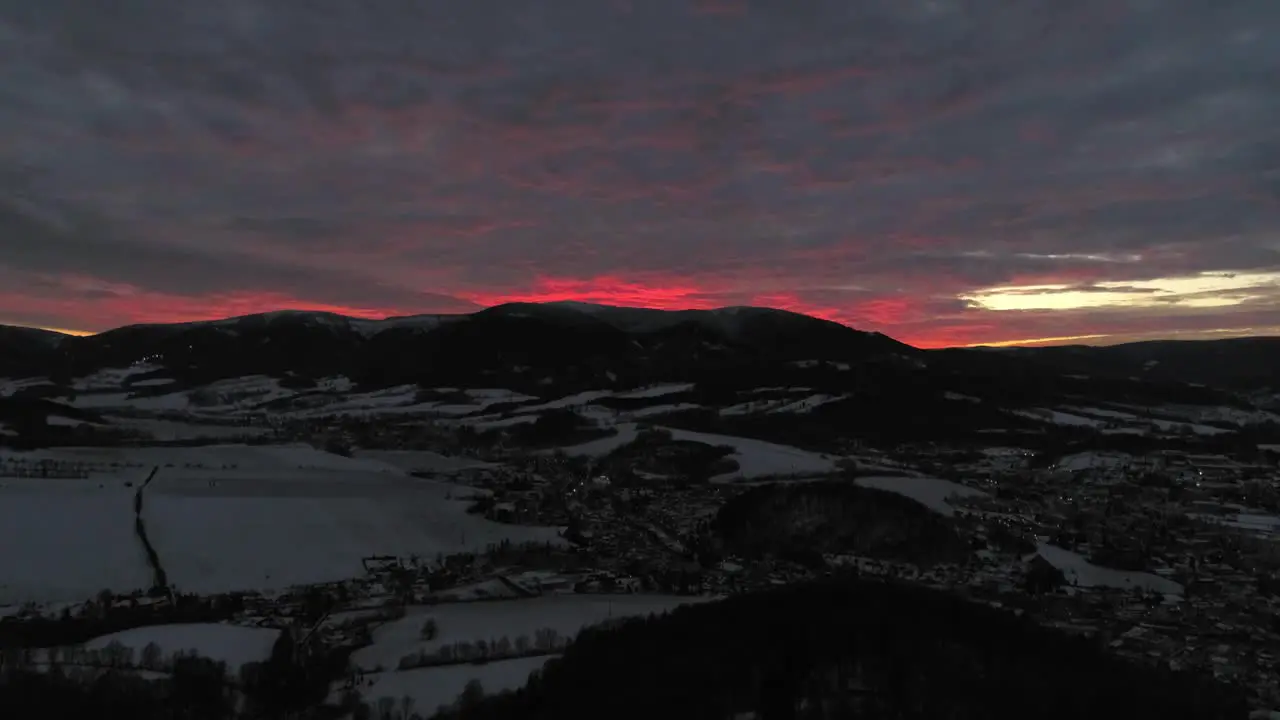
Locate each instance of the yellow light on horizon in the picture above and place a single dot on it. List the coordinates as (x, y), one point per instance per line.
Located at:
(1203, 290)
(64, 331)
(1038, 341)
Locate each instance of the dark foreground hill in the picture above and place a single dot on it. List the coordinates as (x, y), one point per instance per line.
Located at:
(848, 649)
(838, 648)
(802, 521)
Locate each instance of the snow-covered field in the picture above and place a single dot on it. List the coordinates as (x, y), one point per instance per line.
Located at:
(423, 461)
(933, 493)
(1058, 417)
(233, 644)
(756, 458)
(66, 540)
(1135, 420)
(254, 531)
(782, 405)
(113, 378)
(657, 391)
(469, 622)
(431, 687)
(9, 386)
(225, 518)
(1085, 574)
(626, 434)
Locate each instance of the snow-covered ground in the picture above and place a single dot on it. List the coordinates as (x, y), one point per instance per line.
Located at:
(656, 391)
(432, 687)
(757, 458)
(933, 493)
(1058, 417)
(112, 378)
(66, 540)
(807, 404)
(472, 621)
(788, 403)
(1081, 572)
(1138, 421)
(1219, 414)
(224, 518)
(234, 645)
(626, 434)
(10, 386)
(654, 410)
(1105, 413)
(1196, 428)
(256, 530)
(570, 401)
(423, 461)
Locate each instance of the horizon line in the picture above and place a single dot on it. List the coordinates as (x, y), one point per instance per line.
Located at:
(1172, 336)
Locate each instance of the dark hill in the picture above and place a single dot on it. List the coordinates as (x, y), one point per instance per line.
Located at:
(804, 520)
(1241, 363)
(847, 648)
(558, 346)
(27, 351)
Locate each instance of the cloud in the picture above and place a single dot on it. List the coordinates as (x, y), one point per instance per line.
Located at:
(423, 156)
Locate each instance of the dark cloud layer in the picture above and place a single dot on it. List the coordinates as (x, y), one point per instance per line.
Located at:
(887, 163)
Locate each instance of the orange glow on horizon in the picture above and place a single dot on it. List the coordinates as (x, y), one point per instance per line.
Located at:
(68, 331)
(1060, 340)
(900, 317)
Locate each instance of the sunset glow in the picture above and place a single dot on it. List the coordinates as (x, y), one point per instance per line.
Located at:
(199, 161)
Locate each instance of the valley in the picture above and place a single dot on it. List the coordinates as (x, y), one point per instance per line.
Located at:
(431, 509)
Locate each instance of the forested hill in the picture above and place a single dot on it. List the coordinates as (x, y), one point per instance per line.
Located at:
(849, 649)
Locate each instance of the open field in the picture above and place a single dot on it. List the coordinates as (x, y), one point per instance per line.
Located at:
(486, 621)
(65, 540)
(232, 644)
(223, 518)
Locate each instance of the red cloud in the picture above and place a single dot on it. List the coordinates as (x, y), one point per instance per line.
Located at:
(914, 317)
(680, 294)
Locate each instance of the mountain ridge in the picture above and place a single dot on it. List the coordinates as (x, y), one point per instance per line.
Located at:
(584, 341)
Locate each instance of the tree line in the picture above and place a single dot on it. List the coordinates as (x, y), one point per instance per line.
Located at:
(849, 648)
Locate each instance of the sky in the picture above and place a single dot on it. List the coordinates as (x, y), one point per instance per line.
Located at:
(947, 172)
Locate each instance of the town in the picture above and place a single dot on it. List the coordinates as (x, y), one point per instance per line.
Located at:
(1169, 557)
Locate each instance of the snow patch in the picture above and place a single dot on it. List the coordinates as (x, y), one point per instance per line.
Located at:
(1081, 572)
(757, 458)
(933, 493)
